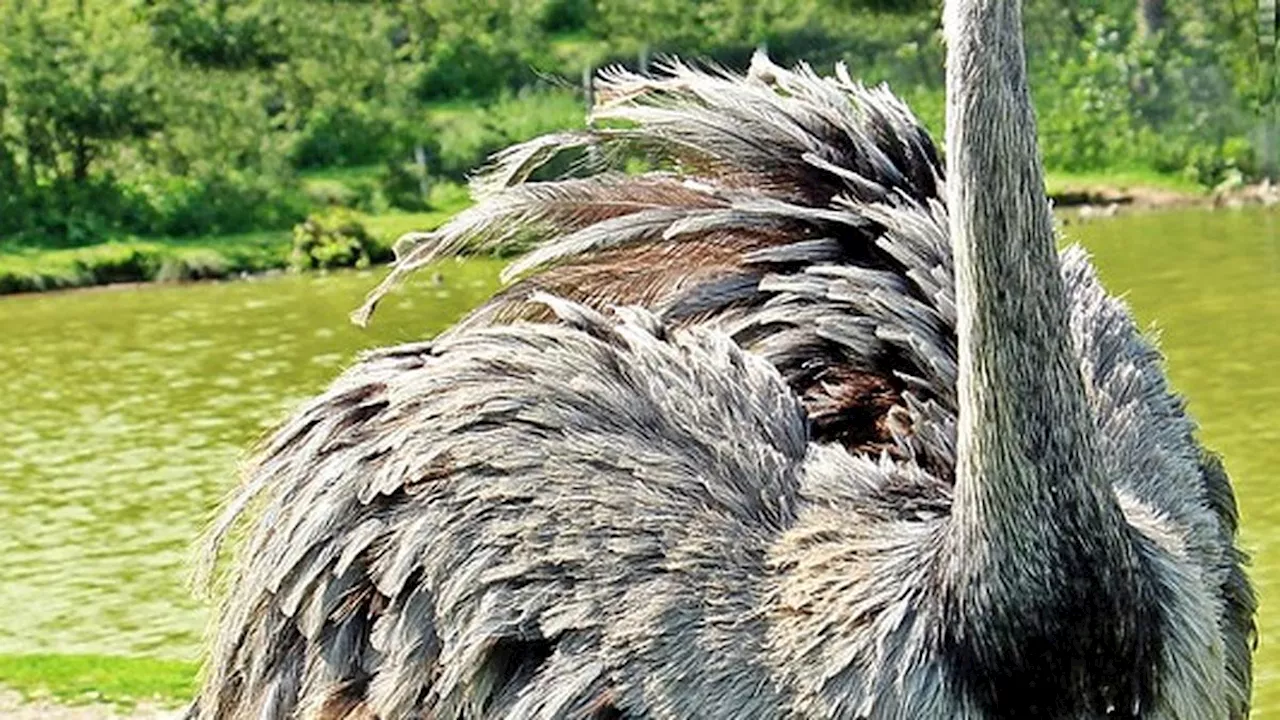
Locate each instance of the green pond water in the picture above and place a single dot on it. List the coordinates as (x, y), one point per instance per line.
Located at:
(124, 414)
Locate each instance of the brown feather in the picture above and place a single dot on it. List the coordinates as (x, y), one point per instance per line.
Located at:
(845, 405)
(851, 407)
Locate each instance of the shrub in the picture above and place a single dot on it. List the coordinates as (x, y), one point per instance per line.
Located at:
(470, 67)
(559, 16)
(346, 135)
(219, 34)
(217, 204)
(401, 186)
(64, 213)
(334, 238)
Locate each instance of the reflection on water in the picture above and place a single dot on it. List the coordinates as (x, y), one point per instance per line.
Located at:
(123, 414)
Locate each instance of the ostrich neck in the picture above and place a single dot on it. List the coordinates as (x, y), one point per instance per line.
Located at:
(1045, 608)
(1025, 471)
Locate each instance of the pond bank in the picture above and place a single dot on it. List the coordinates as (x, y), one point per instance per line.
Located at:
(135, 260)
(164, 260)
(13, 706)
(1099, 199)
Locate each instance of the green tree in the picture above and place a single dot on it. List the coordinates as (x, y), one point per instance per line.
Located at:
(73, 91)
(219, 34)
(699, 25)
(470, 48)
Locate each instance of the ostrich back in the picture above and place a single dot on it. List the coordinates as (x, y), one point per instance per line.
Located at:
(722, 503)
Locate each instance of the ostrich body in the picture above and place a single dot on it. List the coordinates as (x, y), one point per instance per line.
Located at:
(847, 451)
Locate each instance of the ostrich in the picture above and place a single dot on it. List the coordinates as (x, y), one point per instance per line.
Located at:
(788, 427)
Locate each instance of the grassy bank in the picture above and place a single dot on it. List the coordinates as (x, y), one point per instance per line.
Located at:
(140, 260)
(1062, 184)
(122, 681)
(122, 260)
(30, 269)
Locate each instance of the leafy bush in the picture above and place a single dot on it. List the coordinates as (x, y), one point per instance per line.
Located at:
(334, 238)
(559, 16)
(469, 67)
(218, 204)
(1116, 102)
(64, 213)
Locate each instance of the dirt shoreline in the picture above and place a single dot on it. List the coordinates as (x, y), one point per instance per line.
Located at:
(1106, 200)
(13, 706)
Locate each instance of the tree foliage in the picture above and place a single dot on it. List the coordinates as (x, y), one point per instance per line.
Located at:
(218, 34)
(197, 116)
(73, 102)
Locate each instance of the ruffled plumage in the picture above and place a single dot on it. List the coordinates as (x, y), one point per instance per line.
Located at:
(716, 504)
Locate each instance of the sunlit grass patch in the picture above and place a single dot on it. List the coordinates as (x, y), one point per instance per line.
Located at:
(99, 678)
(141, 260)
(446, 200)
(1059, 182)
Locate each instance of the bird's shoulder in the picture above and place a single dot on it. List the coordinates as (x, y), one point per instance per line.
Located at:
(1174, 492)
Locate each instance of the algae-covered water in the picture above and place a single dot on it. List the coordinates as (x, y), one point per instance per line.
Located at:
(123, 416)
(124, 413)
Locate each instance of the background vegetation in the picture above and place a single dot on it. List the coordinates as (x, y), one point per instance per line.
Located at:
(177, 119)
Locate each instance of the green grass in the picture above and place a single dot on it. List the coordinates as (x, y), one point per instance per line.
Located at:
(1058, 182)
(99, 678)
(27, 269)
(388, 228)
(446, 201)
(141, 259)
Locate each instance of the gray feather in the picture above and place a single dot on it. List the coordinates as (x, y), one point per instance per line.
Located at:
(634, 512)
